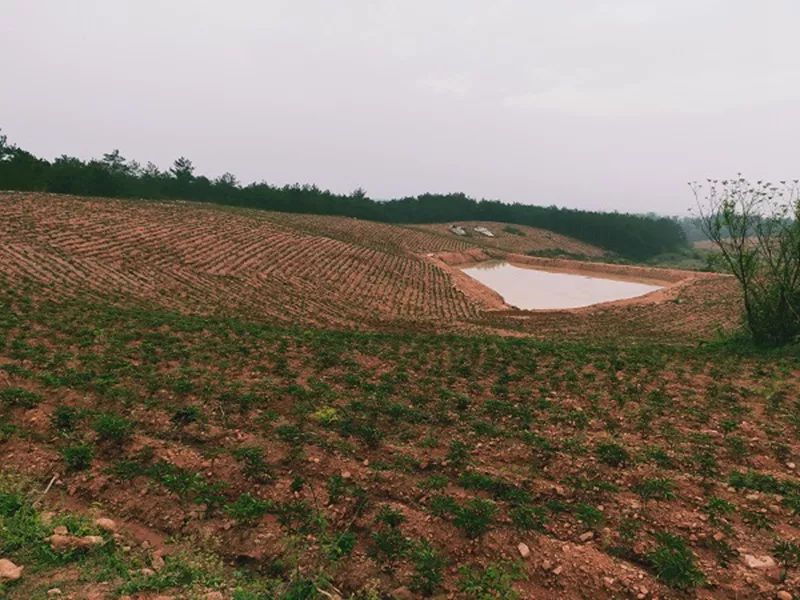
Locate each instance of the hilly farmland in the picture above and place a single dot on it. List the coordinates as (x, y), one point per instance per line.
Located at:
(216, 402)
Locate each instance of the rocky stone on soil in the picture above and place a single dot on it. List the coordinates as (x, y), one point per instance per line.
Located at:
(524, 551)
(9, 571)
(403, 593)
(106, 524)
(758, 562)
(61, 542)
(783, 595)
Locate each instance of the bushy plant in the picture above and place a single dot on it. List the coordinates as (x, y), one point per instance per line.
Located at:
(113, 429)
(756, 229)
(674, 563)
(78, 457)
(248, 508)
(475, 516)
(428, 568)
(612, 454)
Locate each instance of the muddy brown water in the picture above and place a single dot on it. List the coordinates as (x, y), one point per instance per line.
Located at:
(528, 288)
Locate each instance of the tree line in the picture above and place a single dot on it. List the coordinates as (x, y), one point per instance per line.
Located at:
(631, 236)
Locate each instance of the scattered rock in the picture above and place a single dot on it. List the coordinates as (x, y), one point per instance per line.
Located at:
(146, 572)
(215, 596)
(792, 466)
(775, 575)
(61, 530)
(585, 537)
(157, 561)
(719, 536)
(403, 593)
(9, 571)
(60, 542)
(547, 565)
(346, 474)
(106, 524)
(783, 595)
(758, 562)
(558, 570)
(524, 551)
(53, 592)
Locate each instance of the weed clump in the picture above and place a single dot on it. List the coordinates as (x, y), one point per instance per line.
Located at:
(113, 429)
(612, 454)
(674, 563)
(78, 457)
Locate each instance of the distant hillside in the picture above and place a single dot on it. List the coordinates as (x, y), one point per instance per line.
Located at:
(211, 259)
(631, 236)
(519, 239)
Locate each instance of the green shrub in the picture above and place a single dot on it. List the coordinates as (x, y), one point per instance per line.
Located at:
(10, 503)
(254, 465)
(529, 518)
(65, 418)
(78, 457)
(186, 415)
(113, 429)
(674, 563)
(442, 505)
(753, 480)
(788, 553)
(389, 544)
(458, 453)
(718, 508)
(514, 230)
(342, 545)
(16, 397)
(612, 454)
(249, 509)
(493, 582)
(428, 568)
(589, 515)
(475, 516)
(390, 516)
(656, 489)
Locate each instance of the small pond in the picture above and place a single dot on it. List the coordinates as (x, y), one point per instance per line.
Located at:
(534, 289)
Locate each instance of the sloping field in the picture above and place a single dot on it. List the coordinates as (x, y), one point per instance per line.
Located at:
(265, 463)
(205, 259)
(148, 377)
(519, 239)
(380, 236)
(304, 269)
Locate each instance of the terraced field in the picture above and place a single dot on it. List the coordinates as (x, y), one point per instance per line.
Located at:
(302, 269)
(208, 259)
(519, 239)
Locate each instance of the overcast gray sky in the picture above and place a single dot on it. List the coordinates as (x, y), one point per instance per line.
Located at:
(580, 103)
